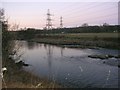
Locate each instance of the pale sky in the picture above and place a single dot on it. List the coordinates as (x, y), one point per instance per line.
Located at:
(32, 13)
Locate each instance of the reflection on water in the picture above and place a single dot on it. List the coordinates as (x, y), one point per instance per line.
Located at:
(70, 67)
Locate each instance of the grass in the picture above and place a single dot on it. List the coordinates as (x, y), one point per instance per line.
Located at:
(92, 35)
(15, 77)
(81, 40)
(23, 79)
(82, 35)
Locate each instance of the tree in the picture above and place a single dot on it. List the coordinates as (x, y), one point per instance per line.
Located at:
(1, 14)
(84, 24)
(5, 35)
(105, 24)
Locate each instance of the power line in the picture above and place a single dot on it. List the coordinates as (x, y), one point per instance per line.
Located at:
(93, 13)
(90, 20)
(88, 11)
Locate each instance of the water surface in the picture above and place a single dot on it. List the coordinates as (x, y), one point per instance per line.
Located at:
(70, 67)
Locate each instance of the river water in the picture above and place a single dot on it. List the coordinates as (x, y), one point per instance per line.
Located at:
(70, 67)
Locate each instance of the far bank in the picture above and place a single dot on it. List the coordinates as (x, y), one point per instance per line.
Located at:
(77, 40)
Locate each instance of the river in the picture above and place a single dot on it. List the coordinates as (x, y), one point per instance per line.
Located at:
(70, 67)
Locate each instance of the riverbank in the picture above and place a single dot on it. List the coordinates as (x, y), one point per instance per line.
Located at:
(16, 77)
(72, 67)
(83, 40)
(19, 78)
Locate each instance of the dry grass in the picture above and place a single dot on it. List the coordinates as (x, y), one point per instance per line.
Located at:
(85, 40)
(19, 78)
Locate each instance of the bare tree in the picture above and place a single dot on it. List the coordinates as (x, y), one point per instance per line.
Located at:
(2, 15)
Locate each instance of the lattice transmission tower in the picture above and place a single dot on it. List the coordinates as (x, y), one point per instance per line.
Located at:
(49, 21)
(61, 22)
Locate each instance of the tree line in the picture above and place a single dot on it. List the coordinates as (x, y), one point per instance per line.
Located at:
(31, 32)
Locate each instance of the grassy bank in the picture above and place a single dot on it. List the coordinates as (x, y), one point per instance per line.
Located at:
(81, 40)
(16, 77)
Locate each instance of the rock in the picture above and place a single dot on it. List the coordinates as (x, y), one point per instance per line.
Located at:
(118, 66)
(93, 56)
(117, 56)
(21, 63)
(103, 61)
(25, 64)
(99, 56)
(110, 56)
(103, 56)
(72, 57)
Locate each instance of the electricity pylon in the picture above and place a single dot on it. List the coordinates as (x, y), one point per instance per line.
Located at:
(61, 22)
(49, 21)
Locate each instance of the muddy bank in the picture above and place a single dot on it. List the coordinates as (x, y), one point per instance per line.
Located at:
(113, 60)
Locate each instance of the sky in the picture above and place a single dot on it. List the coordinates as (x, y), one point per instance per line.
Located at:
(32, 13)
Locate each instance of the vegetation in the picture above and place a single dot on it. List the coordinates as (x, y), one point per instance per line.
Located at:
(105, 36)
(83, 29)
(78, 40)
(16, 76)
